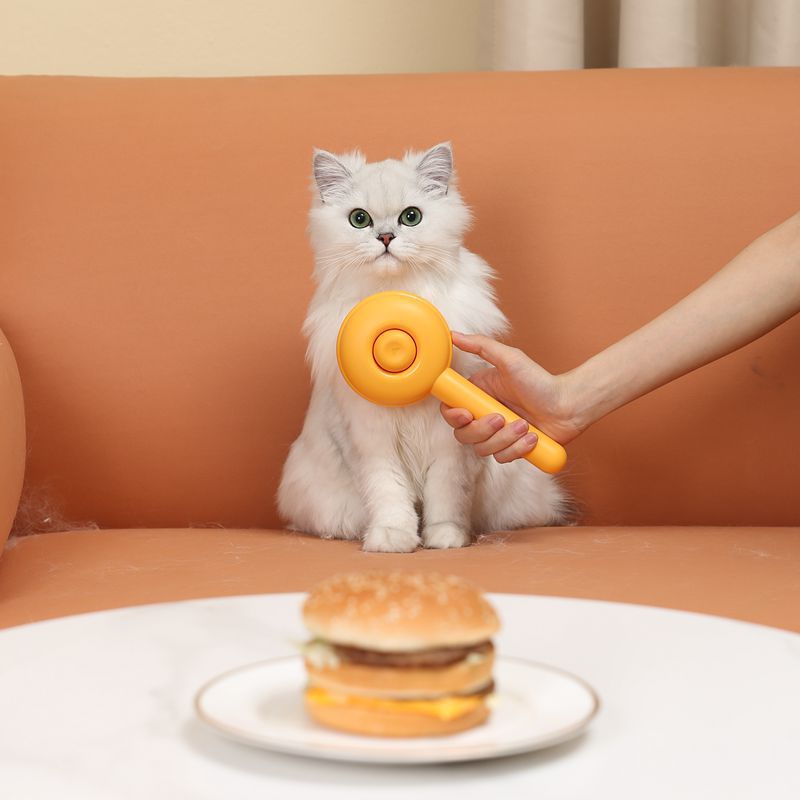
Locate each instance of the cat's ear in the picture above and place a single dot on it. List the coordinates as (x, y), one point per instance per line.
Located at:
(333, 179)
(435, 169)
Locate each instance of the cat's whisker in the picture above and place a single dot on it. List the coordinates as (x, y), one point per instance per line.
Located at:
(441, 261)
(346, 262)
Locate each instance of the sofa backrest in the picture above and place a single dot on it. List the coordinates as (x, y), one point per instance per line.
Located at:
(154, 272)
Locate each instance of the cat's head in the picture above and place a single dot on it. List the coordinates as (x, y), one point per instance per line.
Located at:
(386, 217)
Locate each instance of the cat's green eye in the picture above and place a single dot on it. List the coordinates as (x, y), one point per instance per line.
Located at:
(359, 218)
(411, 216)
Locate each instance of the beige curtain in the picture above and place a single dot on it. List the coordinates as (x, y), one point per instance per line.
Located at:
(571, 34)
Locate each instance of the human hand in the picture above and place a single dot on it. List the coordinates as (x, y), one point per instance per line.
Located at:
(523, 386)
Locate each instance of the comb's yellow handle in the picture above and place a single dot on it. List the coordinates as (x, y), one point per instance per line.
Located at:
(455, 390)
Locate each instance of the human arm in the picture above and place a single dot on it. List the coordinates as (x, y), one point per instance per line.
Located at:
(752, 294)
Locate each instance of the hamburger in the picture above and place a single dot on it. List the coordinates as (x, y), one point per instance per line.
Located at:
(398, 654)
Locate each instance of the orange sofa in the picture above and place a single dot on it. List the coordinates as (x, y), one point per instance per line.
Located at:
(154, 274)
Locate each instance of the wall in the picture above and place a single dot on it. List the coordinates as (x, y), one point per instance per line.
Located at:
(240, 37)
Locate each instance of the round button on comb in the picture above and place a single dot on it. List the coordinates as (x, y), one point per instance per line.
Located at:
(394, 350)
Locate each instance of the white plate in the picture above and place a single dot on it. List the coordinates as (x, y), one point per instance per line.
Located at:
(535, 706)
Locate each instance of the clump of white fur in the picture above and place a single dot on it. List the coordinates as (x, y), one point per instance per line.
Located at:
(396, 477)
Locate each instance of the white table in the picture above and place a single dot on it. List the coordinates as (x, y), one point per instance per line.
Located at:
(100, 706)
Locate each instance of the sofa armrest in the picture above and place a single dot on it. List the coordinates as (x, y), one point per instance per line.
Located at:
(12, 438)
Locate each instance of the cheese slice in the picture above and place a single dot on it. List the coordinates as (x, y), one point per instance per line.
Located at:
(446, 708)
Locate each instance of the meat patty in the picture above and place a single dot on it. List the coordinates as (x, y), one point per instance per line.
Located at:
(439, 657)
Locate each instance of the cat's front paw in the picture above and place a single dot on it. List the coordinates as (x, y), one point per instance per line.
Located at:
(444, 535)
(379, 539)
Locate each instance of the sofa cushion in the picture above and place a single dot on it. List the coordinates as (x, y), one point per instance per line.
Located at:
(746, 573)
(12, 438)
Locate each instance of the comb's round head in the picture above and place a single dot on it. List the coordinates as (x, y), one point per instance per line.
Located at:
(392, 347)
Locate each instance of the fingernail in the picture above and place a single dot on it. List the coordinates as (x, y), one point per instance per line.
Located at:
(520, 426)
(531, 439)
(464, 419)
(497, 421)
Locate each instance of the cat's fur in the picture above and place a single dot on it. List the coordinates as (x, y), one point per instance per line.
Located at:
(396, 477)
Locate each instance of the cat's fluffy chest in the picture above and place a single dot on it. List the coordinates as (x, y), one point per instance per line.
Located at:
(414, 429)
(466, 301)
(417, 432)
(322, 336)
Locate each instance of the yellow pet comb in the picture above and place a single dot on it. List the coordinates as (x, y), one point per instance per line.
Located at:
(394, 348)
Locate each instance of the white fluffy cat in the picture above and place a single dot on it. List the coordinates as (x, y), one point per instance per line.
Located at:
(396, 477)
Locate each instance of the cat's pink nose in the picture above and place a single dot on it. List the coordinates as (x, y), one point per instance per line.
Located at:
(386, 238)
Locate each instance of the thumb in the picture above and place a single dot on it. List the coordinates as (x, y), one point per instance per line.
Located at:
(488, 349)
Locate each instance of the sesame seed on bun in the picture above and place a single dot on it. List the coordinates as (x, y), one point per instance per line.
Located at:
(399, 611)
